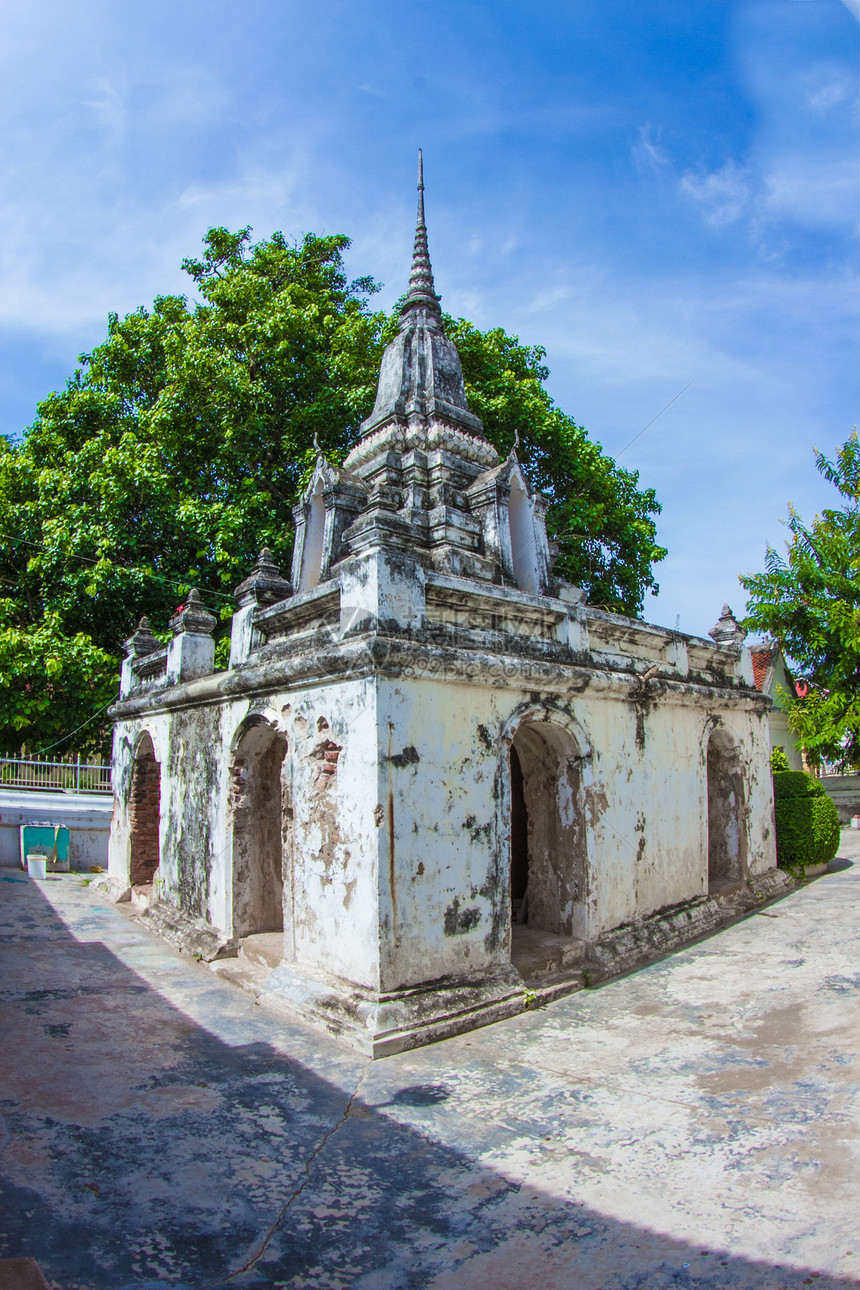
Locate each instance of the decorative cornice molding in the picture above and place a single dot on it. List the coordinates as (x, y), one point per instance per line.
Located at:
(285, 664)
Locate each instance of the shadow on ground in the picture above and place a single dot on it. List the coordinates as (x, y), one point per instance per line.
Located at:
(141, 1149)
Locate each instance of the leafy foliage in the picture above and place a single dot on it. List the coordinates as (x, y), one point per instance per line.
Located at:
(180, 444)
(807, 822)
(778, 759)
(810, 602)
(52, 683)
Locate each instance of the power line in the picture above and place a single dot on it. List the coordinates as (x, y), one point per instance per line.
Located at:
(654, 418)
(88, 722)
(123, 568)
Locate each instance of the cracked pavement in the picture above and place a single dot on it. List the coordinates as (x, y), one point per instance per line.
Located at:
(692, 1124)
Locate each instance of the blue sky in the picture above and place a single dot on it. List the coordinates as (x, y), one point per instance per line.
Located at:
(658, 191)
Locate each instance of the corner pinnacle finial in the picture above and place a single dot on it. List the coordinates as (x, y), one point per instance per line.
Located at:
(422, 290)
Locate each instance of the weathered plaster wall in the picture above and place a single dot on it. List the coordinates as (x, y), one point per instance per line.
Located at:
(750, 731)
(192, 816)
(332, 735)
(396, 860)
(647, 808)
(329, 859)
(640, 792)
(127, 736)
(441, 880)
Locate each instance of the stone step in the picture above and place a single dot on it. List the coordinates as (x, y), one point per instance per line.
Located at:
(239, 972)
(537, 954)
(264, 949)
(141, 896)
(548, 989)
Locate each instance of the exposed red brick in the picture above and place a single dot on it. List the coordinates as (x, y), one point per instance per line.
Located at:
(144, 817)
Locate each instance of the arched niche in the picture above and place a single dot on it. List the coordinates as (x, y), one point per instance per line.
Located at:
(312, 553)
(548, 838)
(259, 827)
(726, 833)
(144, 812)
(524, 557)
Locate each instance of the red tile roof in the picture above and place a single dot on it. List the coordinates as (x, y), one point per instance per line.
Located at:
(761, 661)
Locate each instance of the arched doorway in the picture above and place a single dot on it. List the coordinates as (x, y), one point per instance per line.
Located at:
(548, 856)
(144, 812)
(519, 841)
(726, 835)
(259, 830)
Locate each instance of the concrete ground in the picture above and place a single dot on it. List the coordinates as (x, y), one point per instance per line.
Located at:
(694, 1124)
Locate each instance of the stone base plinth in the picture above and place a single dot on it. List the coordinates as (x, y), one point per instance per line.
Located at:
(193, 935)
(649, 938)
(381, 1024)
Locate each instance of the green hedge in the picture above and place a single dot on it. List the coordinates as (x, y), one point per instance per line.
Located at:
(807, 823)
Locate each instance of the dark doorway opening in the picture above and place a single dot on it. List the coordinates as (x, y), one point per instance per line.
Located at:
(519, 841)
(145, 814)
(260, 823)
(726, 838)
(548, 840)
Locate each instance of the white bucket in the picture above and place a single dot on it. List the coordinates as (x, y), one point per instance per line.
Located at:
(37, 867)
(855, 821)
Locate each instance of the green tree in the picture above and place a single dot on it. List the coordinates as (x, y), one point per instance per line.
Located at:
(810, 602)
(180, 444)
(51, 682)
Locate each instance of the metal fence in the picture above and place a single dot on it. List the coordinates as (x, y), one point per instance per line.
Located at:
(69, 776)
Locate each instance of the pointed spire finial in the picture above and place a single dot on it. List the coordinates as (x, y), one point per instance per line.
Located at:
(727, 630)
(143, 641)
(422, 290)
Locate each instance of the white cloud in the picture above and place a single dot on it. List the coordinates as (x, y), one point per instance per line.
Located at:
(108, 105)
(818, 192)
(826, 87)
(647, 151)
(814, 188)
(547, 297)
(74, 246)
(722, 195)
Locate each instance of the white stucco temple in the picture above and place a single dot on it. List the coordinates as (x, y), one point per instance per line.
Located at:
(434, 785)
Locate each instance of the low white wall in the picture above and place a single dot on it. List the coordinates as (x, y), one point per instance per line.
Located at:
(86, 816)
(844, 790)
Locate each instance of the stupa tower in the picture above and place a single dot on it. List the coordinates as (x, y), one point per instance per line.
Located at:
(421, 448)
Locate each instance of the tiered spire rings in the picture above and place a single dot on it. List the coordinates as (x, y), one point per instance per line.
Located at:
(422, 290)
